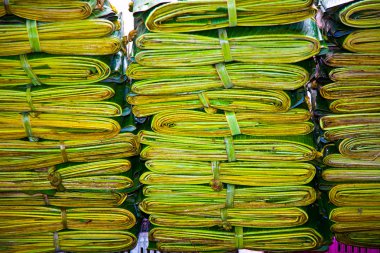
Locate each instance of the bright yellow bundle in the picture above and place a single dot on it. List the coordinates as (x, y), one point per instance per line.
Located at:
(103, 175)
(56, 126)
(238, 173)
(227, 99)
(35, 219)
(201, 124)
(85, 37)
(18, 155)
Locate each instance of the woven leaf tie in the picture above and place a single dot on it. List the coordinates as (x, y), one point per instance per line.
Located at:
(46, 199)
(233, 123)
(62, 148)
(31, 26)
(28, 70)
(225, 45)
(229, 204)
(239, 238)
(223, 75)
(56, 242)
(55, 179)
(25, 117)
(215, 183)
(64, 217)
(232, 13)
(100, 4)
(29, 99)
(7, 7)
(206, 103)
(230, 148)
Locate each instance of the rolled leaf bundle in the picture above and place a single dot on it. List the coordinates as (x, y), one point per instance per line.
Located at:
(356, 73)
(278, 44)
(35, 219)
(59, 70)
(242, 148)
(255, 218)
(362, 175)
(201, 124)
(64, 199)
(350, 90)
(363, 195)
(56, 126)
(237, 173)
(360, 148)
(69, 241)
(184, 199)
(192, 15)
(18, 155)
(356, 105)
(45, 10)
(340, 59)
(162, 81)
(227, 99)
(363, 41)
(340, 161)
(85, 37)
(349, 219)
(368, 238)
(350, 125)
(189, 240)
(103, 175)
(360, 14)
(84, 99)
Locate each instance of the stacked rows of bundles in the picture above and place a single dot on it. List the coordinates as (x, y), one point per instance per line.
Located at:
(229, 157)
(348, 106)
(65, 181)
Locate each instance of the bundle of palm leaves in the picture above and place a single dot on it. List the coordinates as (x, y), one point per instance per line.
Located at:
(226, 99)
(56, 126)
(192, 15)
(18, 155)
(59, 70)
(180, 172)
(360, 14)
(187, 199)
(46, 10)
(355, 73)
(85, 37)
(241, 148)
(358, 105)
(104, 175)
(350, 90)
(362, 41)
(346, 59)
(163, 81)
(356, 194)
(278, 44)
(35, 219)
(255, 218)
(84, 99)
(368, 238)
(340, 161)
(350, 125)
(350, 219)
(69, 241)
(367, 148)
(64, 199)
(359, 174)
(201, 124)
(202, 240)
